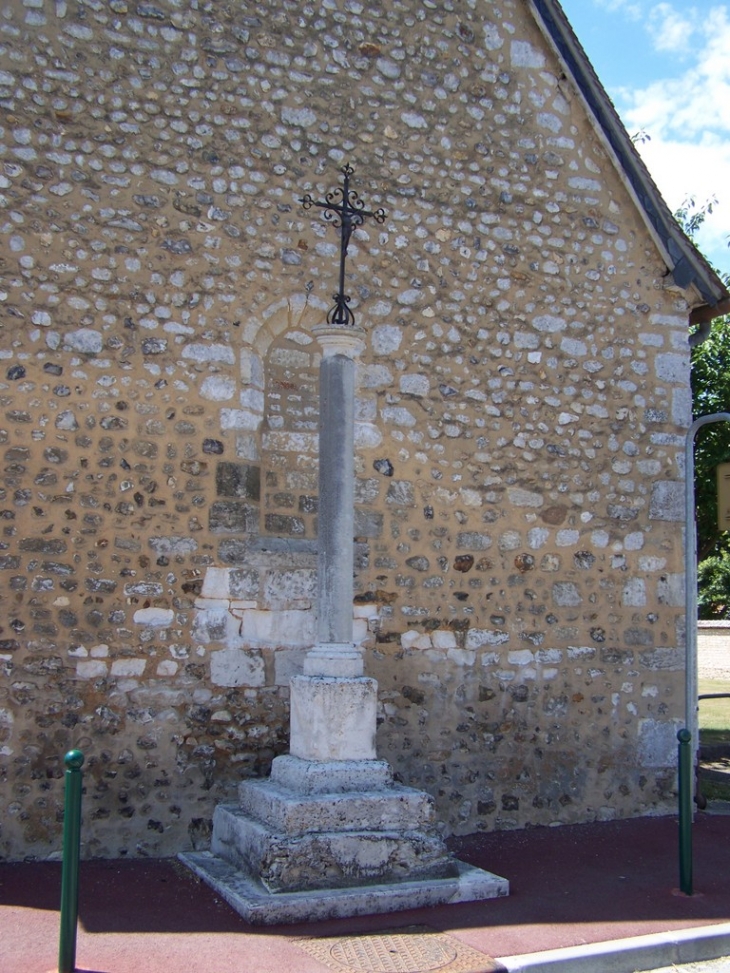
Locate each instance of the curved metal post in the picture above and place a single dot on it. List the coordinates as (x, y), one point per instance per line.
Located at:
(690, 580)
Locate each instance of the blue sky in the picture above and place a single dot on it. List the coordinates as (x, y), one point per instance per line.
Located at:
(666, 65)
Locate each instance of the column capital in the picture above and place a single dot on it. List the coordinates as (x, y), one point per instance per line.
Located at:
(349, 341)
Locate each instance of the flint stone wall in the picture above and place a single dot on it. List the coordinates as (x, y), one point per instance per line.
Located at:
(521, 410)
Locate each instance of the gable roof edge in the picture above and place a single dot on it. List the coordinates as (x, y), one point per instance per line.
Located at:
(689, 268)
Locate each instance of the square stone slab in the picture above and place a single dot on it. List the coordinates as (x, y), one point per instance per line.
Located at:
(245, 893)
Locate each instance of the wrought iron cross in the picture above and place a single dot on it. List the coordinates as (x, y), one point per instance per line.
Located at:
(345, 210)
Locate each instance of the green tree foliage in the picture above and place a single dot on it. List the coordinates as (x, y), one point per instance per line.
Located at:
(710, 394)
(713, 585)
(690, 216)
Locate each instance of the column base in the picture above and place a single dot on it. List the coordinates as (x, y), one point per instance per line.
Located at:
(295, 849)
(334, 659)
(257, 905)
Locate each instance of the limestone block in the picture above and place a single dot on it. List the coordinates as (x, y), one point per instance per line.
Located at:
(84, 340)
(368, 612)
(443, 638)
(243, 583)
(331, 776)
(288, 663)
(283, 588)
(673, 368)
(634, 593)
(216, 583)
(521, 657)
(215, 625)
(368, 523)
(462, 657)
(205, 604)
(417, 384)
(251, 367)
(173, 545)
(238, 480)
(239, 419)
(289, 812)
(325, 859)
(670, 590)
(217, 389)
(525, 498)
(415, 640)
(473, 541)
(154, 617)
(667, 500)
(671, 659)
(91, 669)
(658, 743)
(367, 435)
(477, 637)
(209, 353)
(237, 667)
(232, 516)
(566, 594)
(128, 667)
(386, 338)
(682, 407)
(524, 55)
(258, 906)
(293, 628)
(333, 718)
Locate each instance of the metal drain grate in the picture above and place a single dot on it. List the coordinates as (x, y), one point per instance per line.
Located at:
(410, 949)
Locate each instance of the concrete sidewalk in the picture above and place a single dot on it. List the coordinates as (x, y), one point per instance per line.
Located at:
(580, 890)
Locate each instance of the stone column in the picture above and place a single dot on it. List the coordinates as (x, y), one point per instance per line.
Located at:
(330, 821)
(333, 706)
(335, 653)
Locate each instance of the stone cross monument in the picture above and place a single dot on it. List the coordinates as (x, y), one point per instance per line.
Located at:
(330, 833)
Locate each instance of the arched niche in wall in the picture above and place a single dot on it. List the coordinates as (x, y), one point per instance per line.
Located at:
(289, 437)
(269, 489)
(256, 613)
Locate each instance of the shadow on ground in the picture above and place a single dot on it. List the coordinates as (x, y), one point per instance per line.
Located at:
(623, 874)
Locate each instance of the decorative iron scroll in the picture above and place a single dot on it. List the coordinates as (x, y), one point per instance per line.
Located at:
(344, 209)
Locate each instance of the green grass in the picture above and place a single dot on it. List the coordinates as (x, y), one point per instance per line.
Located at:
(714, 728)
(714, 713)
(713, 790)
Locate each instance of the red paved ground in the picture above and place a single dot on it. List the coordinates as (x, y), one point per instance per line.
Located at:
(572, 885)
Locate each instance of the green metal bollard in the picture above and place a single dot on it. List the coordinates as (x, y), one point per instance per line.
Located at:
(685, 811)
(74, 760)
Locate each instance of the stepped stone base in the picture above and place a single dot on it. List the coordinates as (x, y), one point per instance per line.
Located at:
(339, 838)
(326, 859)
(260, 907)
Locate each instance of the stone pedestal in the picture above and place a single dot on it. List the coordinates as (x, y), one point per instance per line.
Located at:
(333, 718)
(331, 833)
(325, 839)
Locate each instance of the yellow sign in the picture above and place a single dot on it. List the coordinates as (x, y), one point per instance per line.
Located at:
(723, 496)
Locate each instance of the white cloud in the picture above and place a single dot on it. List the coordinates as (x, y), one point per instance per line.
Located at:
(700, 170)
(670, 30)
(693, 102)
(687, 117)
(629, 7)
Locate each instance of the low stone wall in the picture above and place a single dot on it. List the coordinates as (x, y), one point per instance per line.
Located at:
(713, 649)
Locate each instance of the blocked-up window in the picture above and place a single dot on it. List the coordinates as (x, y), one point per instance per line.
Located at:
(289, 439)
